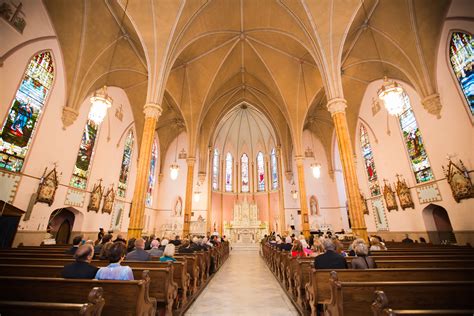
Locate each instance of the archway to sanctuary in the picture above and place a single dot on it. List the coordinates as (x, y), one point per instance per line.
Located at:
(60, 224)
(245, 198)
(438, 225)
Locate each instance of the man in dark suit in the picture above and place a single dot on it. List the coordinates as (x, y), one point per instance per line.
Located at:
(407, 240)
(139, 254)
(81, 269)
(76, 242)
(330, 259)
(287, 245)
(176, 241)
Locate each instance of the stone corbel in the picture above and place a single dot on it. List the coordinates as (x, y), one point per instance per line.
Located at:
(201, 177)
(289, 176)
(69, 116)
(432, 104)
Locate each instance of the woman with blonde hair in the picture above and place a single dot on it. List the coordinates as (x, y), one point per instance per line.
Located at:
(376, 244)
(317, 248)
(168, 253)
(297, 249)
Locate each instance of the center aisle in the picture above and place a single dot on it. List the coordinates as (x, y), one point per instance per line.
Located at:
(243, 286)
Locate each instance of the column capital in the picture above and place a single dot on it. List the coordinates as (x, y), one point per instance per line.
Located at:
(432, 104)
(336, 105)
(152, 110)
(299, 160)
(190, 161)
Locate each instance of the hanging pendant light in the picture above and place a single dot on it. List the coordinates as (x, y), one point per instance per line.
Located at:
(316, 168)
(100, 103)
(391, 93)
(174, 168)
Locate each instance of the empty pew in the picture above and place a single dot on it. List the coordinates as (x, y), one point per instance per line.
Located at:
(93, 307)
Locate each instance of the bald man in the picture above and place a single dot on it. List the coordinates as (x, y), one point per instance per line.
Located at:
(81, 269)
(139, 254)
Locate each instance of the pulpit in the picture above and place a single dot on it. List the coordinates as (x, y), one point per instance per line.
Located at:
(245, 226)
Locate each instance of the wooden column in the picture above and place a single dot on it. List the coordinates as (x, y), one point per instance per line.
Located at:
(152, 112)
(210, 175)
(303, 200)
(337, 108)
(282, 221)
(188, 204)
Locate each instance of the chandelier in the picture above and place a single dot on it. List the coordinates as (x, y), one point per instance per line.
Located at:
(316, 168)
(391, 93)
(101, 102)
(174, 167)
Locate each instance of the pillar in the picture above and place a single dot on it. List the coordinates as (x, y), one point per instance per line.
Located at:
(152, 112)
(188, 204)
(337, 109)
(303, 200)
(282, 221)
(209, 192)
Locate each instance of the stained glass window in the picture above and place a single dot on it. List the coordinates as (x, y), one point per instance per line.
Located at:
(260, 172)
(125, 167)
(228, 172)
(245, 173)
(461, 54)
(25, 111)
(215, 170)
(414, 143)
(151, 175)
(274, 169)
(369, 162)
(84, 156)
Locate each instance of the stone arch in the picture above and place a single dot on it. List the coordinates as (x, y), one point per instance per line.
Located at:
(438, 225)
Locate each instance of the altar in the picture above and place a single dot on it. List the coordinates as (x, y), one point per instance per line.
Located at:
(245, 226)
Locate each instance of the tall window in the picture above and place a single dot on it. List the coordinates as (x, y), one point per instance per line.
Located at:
(461, 55)
(414, 143)
(228, 172)
(273, 160)
(369, 162)
(151, 175)
(25, 111)
(125, 167)
(215, 170)
(245, 173)
(260, 172)
(84, 156)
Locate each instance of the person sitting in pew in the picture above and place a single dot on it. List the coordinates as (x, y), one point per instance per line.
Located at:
(297, 249)
(330, 259)
(353, 246)
(185, 247)
(407, 240)
(155, 250)
(115, 271)
(363, 261)
(76, 242)
(317, 248)
(168, 254)
(376, 244)
(139, 254)
(81, 268)
(287, 245)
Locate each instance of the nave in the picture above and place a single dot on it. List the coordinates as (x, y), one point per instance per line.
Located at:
(243, 286)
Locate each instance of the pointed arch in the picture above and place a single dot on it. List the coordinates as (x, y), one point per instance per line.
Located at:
(25, 111)
(369, 162)
(244, 163)
(260, 172)
(126, 164)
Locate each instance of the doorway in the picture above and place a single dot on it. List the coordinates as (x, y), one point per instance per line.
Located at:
(60, 224)
(438, 225)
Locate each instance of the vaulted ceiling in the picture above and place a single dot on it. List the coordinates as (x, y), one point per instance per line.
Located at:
(202, 58)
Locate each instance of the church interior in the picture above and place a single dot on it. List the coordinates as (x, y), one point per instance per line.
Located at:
(244, 119)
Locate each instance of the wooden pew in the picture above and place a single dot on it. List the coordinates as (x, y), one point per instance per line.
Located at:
(355, 298)
(318, 290)
(93, 307)
(383, 307)
(121, 297)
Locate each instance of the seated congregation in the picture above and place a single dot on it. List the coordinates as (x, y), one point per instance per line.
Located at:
(144, 276)
(326, 276)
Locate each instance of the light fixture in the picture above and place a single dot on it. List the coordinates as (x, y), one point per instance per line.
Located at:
(316, 168)
(391, 94)
(101, 102)
(197, 193)
(174, 168)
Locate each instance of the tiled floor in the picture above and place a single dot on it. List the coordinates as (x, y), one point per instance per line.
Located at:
(244, 286)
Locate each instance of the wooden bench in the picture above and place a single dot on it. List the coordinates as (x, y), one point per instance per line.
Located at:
(93, 307)
(355, 298)
(383, 307)
(121, 297)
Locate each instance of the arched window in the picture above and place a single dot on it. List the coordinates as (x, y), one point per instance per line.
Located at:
(260, 172)
(274, 163)
(228, 172)
(414, 143)
(369, 162)
(151, 175)
(25, 111)
(461, 55)
(126, 163)
(244, 160)
(215, 170)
